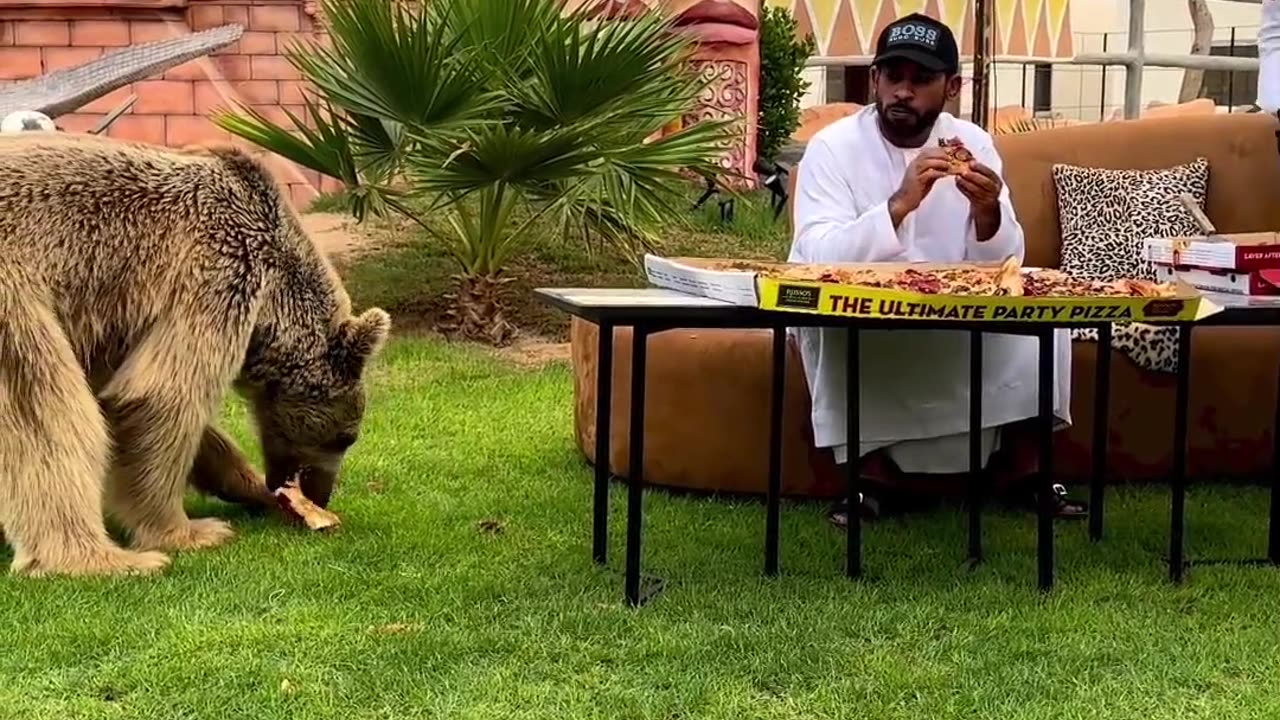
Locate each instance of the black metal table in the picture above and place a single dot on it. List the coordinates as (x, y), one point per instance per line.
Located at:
(652, 310)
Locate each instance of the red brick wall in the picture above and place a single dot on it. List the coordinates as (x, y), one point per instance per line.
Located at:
(171, 109)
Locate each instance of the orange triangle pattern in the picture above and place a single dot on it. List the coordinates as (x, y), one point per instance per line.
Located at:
(1019, 28)
(888, 13)
(1018, 35)
(804, 26)
(1043, 46)
(932, 10)
(966, 43)
(844, 36)
(1066, 44)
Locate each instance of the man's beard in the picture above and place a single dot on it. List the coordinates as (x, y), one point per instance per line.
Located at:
(905, 127)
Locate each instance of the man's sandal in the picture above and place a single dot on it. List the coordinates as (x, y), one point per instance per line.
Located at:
(839, 513)
(1064, 508)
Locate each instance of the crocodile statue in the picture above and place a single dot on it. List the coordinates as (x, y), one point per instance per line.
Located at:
(63, 91)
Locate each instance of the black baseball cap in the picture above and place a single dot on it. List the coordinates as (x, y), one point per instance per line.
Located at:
(920, 39)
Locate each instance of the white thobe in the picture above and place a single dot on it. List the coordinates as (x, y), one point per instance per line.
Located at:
(915, 383)
(1269, 57)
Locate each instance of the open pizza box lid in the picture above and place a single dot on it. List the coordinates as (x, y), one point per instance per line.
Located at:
(693, 276)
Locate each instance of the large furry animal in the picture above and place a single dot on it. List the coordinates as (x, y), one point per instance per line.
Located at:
(137, 285)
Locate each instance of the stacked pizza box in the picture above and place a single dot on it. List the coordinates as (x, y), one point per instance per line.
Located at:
(1240, 263)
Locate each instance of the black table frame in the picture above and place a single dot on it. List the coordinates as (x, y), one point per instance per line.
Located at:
(647, 321)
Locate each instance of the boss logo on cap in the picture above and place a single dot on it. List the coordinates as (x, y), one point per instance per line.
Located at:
(914, 33)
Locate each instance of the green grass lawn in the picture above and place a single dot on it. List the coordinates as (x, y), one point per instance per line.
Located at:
(417, 608)
(461, 584)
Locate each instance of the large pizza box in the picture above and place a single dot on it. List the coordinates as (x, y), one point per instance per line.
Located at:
(759, 284)
(1240, 263)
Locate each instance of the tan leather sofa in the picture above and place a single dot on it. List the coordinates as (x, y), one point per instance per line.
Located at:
(708, 390)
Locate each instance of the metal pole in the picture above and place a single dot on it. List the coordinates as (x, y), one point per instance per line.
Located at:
(1024, 87)
(981, 60)
(1136, 65)
(1102, 102)
(1231, 77)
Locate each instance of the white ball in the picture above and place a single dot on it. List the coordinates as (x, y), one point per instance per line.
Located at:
(23, 120)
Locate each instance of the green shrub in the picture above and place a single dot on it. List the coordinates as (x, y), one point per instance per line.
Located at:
(782, 61)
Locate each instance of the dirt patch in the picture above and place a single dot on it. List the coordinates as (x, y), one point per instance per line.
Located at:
(339, 236)
(535, 352)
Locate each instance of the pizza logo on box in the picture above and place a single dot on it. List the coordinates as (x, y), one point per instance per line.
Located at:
(1163, 308)
(801, 297)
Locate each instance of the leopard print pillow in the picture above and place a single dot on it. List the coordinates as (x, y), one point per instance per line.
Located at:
(1104, 216)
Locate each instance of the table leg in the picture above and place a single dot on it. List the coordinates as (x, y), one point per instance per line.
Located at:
(1179, 480)
(603, 473)
(777, 393)
(635, 489)
(1273, 530)
(976, 477)
(1101, 420)
(853, 469)
(1045, 419)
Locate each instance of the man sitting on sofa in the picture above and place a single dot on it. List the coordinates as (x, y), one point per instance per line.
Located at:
(873, 187)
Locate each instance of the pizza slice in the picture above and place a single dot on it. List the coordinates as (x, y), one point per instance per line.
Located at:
(1009, 278)
(959, 159)
(298, 507)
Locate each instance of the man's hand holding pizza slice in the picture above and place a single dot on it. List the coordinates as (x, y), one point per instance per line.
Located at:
(930, 166)
(959, 159)
(979, 184)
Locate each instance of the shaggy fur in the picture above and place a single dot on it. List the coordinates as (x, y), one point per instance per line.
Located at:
(137, 285)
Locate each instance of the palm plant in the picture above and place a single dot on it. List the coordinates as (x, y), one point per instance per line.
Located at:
(1017, 126)
(501, 116)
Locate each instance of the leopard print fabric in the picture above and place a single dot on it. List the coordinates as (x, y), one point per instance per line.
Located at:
(1104, 216)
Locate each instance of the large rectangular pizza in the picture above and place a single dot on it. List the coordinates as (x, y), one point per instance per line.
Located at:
(1008, 279)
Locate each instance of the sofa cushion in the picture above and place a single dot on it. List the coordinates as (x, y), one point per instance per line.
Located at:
(1105, 216)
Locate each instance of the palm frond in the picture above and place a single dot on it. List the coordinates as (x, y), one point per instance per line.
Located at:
(323, 147)
(504, 153)
(322, 143)
(1027, 124)
(392, 61)
(609, 72)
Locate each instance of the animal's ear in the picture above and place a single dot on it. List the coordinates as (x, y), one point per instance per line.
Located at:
(359, 339)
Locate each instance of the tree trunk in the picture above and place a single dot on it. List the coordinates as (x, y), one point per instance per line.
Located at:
(1202, 22)
(476, 311)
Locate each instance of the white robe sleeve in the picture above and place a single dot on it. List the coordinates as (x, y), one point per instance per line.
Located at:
(1269, 57)
(1008, 239)
(828, 226)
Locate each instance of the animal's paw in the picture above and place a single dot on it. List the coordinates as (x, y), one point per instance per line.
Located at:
(194, 535)
(105, 561)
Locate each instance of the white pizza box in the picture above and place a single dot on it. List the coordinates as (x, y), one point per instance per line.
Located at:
(731, 286)
(1265, 281)
(1235, 251)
